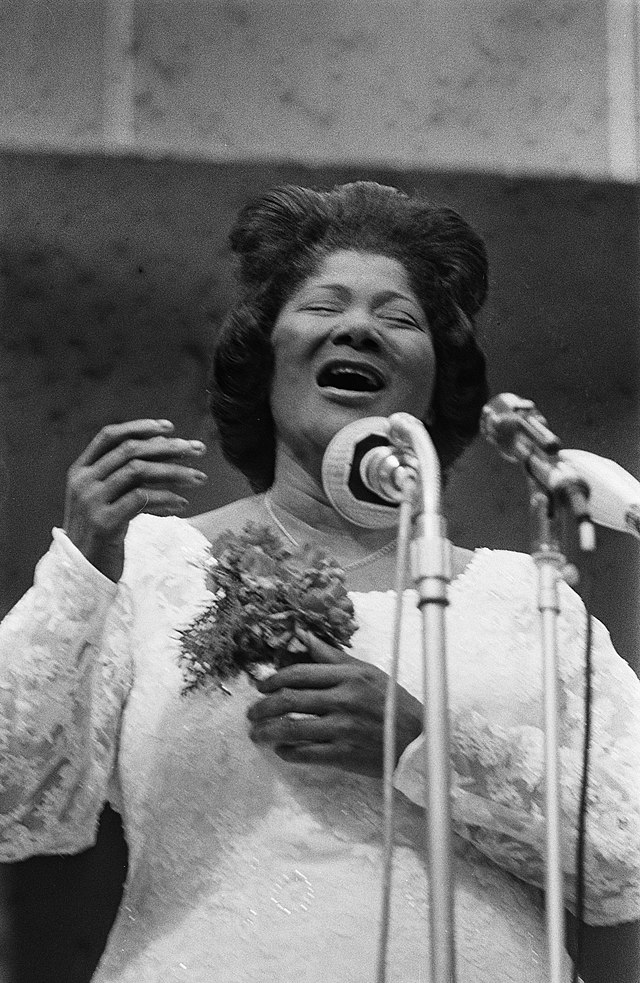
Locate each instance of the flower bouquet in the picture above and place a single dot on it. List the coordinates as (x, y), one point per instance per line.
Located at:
(262, 593)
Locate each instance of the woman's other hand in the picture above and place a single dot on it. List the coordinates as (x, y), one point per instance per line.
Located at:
(344, 700)
(128, 468)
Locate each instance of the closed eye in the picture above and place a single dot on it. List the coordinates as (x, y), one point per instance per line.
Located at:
(399, 317)
(322, 308)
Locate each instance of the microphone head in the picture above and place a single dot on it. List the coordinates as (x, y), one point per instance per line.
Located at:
(507, 420)
(341, 479)
(500, 424)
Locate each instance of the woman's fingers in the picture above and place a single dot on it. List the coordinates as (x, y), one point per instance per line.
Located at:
(339, 706)
(113, 435)
(336, 739)
(128, 468)
(321, 651)
(150, 500)
(316, 701)
(287, 729)
(141, 486)
(333, 754)
(302, 675)
(316, 754)
(168, 449)
(141, 473)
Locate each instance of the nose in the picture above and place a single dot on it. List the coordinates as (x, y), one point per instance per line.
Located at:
(357, 330)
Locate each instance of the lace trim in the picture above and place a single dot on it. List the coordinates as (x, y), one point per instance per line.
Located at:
(65, 673)
(498, 800)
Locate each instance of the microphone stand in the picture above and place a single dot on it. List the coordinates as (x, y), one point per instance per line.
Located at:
(431, 570)
(552, 485)
(521, 435)
(550, 563)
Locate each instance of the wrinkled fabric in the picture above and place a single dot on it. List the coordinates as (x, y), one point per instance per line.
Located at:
(245, 868)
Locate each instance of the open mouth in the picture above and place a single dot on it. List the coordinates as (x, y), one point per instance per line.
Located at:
(350, 377)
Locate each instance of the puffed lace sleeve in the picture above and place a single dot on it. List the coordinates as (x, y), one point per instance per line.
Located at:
(64, 674)
(498, 741)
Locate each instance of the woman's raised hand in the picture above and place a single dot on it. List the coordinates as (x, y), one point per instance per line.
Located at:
(344, 699)
(128, 468)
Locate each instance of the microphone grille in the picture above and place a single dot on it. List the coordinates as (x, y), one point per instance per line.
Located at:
(340, 478)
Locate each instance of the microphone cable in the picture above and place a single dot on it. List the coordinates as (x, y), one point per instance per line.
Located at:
(583, 806)
(390, 714)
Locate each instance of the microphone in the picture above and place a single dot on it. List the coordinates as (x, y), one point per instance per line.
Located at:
(520, 433)
(506, 419)
(614, 493)
(363, 473)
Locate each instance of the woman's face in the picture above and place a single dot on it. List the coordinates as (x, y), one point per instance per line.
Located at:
(352, 341)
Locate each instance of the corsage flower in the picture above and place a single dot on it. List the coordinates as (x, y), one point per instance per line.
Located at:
(261, 593)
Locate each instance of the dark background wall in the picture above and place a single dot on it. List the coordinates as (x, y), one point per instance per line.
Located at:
(115, 276)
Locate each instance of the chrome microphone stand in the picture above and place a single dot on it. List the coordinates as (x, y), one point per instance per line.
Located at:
(551, 564)
(431, 570)
(522, 436)
(390, 472)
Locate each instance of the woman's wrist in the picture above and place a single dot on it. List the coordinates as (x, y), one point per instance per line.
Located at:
(84, 570)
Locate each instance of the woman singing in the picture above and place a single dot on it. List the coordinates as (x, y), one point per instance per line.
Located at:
(254, 818)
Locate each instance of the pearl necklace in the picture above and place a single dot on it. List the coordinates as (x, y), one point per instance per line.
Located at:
(369, 558)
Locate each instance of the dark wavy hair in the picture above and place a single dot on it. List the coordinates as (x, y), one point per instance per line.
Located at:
(281, 238)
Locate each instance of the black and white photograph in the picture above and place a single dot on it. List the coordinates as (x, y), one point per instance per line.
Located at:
(320, 491)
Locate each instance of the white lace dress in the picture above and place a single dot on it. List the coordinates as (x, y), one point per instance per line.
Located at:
(244, 868)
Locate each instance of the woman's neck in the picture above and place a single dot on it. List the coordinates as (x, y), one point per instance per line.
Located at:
(302, 496)
(302, 506)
